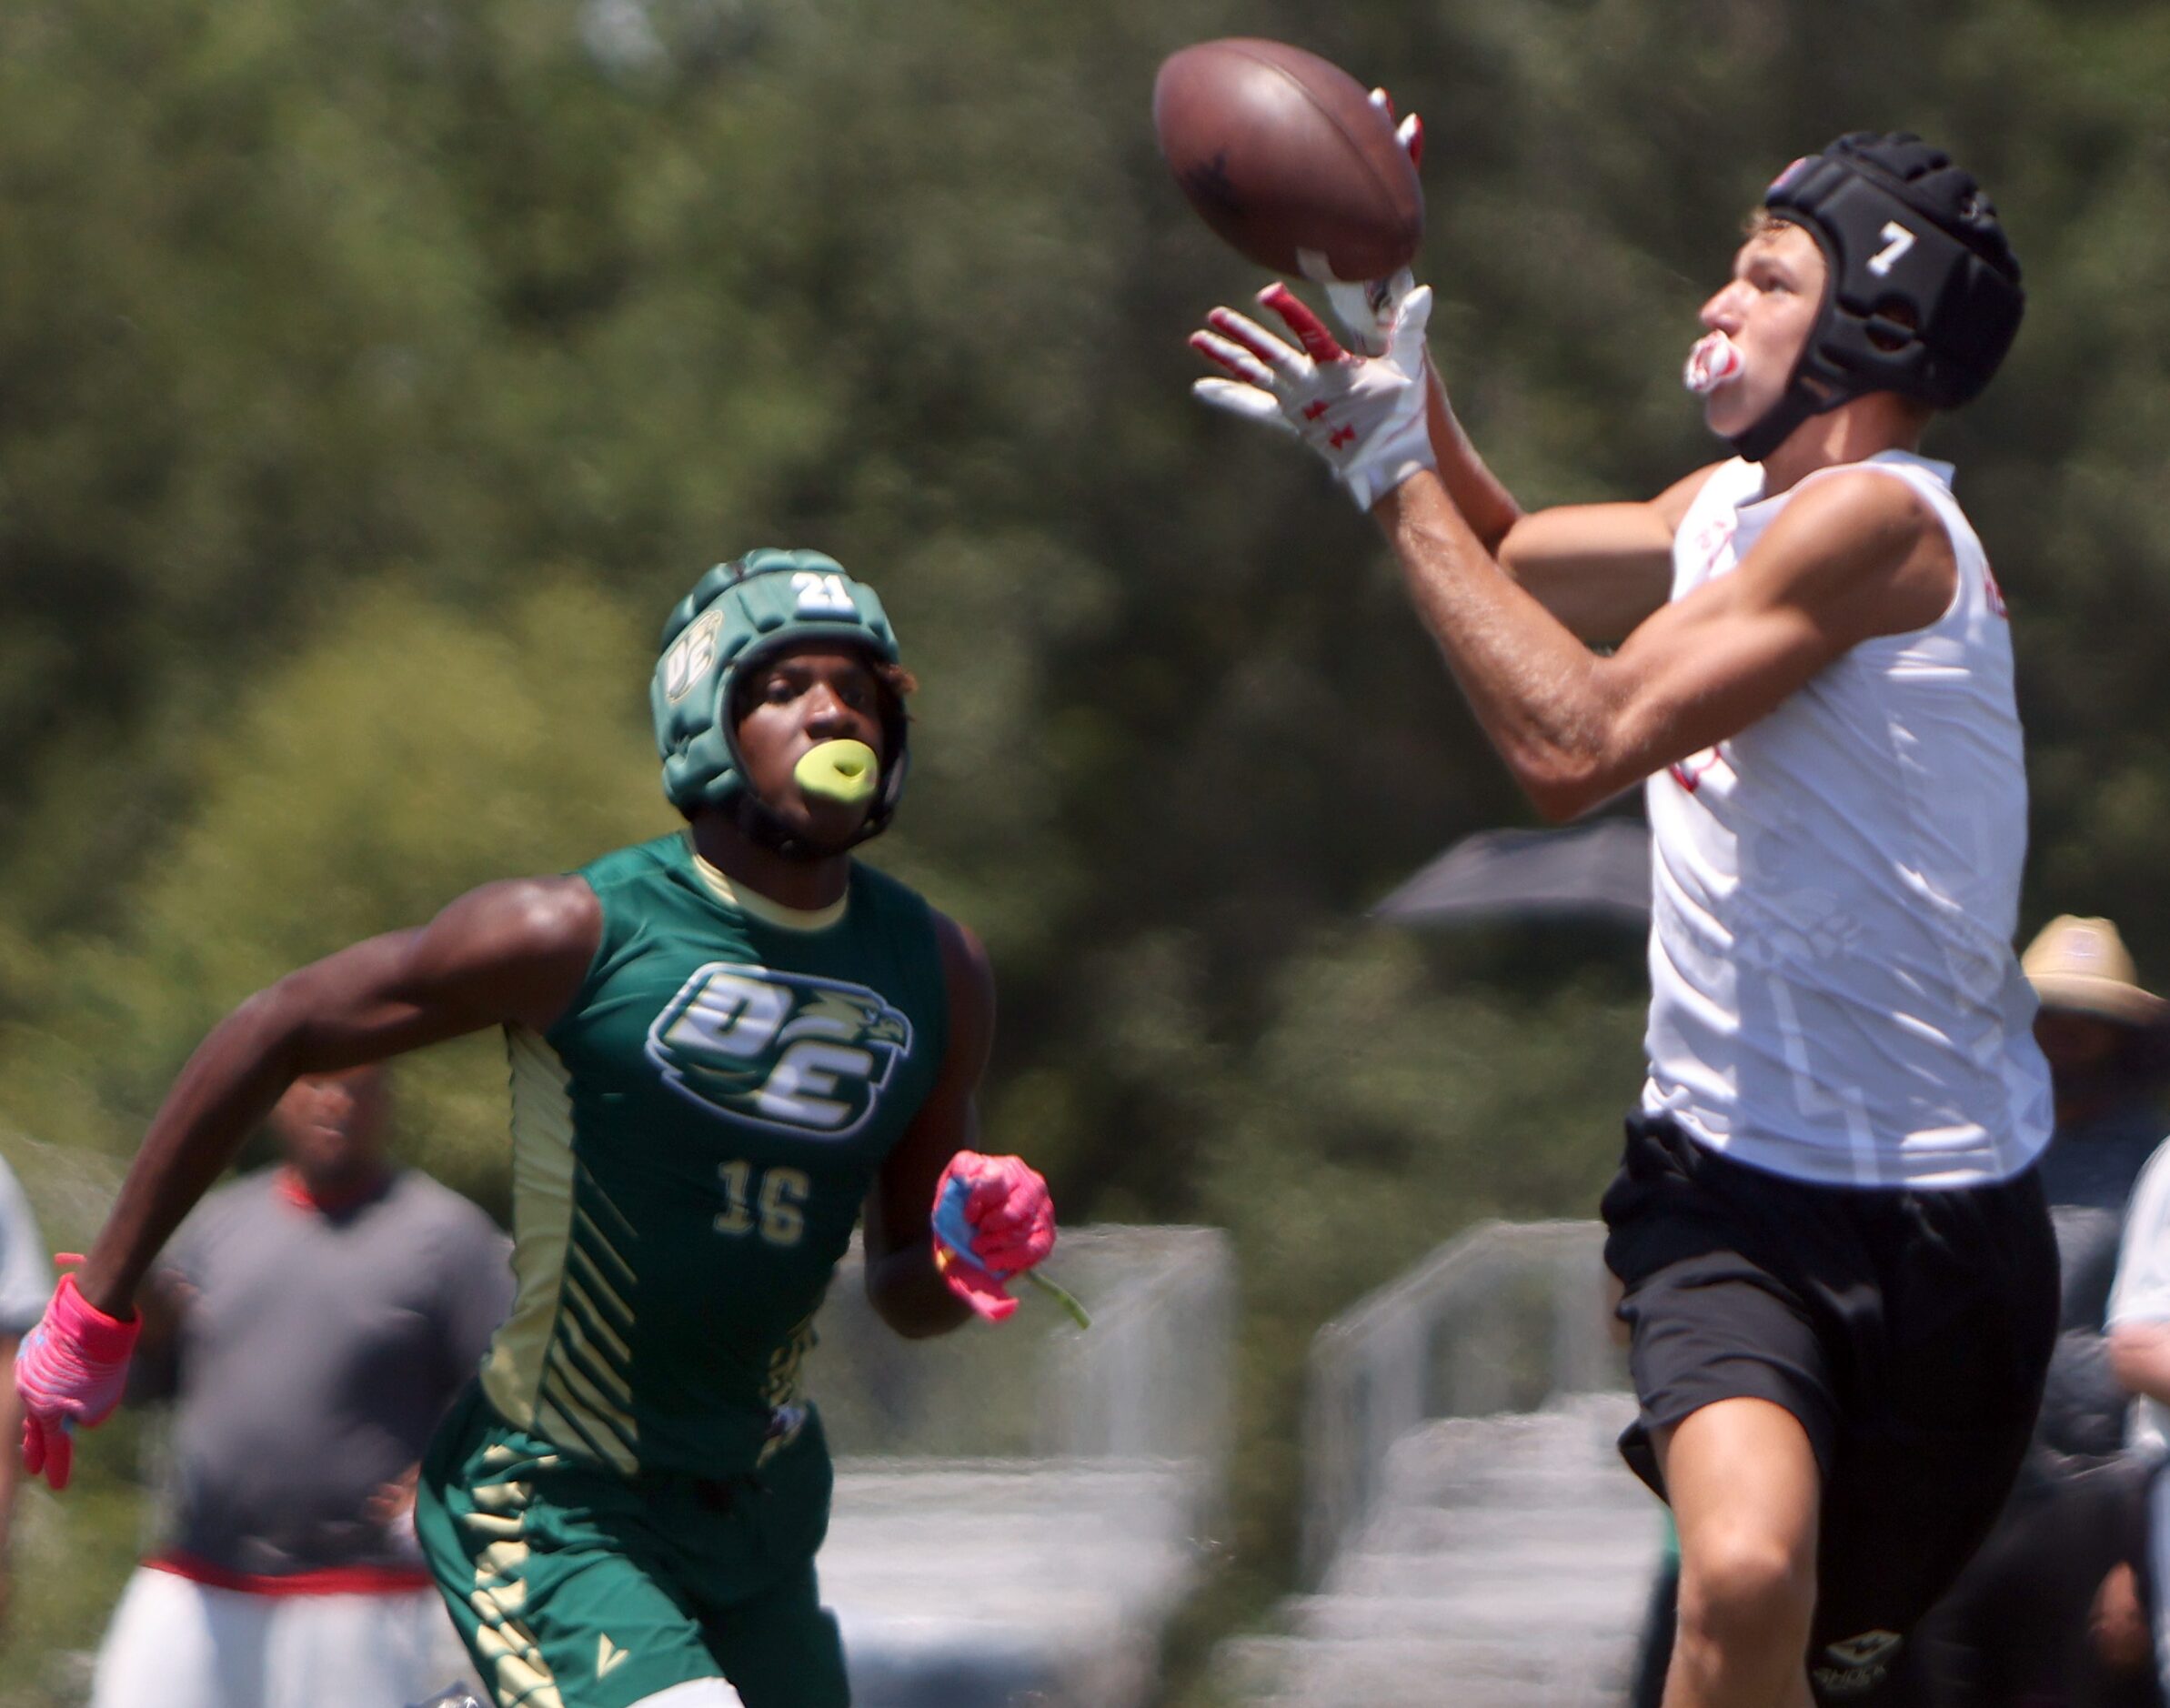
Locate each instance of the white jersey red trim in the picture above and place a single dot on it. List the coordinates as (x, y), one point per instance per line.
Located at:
(1833, 993)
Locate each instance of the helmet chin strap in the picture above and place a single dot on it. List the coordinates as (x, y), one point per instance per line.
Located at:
(763, 824)
(1803, 397)
(1778, 424)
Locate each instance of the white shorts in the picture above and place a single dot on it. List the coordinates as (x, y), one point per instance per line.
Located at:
(178, 1644)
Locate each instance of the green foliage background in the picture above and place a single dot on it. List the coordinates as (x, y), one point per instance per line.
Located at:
(373, 377)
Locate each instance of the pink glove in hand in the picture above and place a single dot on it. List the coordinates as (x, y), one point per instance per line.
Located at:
(69, 1370)
(992, 1219)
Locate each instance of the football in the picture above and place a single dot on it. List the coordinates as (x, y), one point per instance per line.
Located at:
(1283, 155)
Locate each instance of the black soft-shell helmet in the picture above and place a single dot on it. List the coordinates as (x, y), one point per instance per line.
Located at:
(1924, 296)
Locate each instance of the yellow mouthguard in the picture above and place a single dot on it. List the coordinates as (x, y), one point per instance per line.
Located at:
(844, 771)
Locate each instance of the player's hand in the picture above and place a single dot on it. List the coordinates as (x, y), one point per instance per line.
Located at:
(69, 1371)
(1365, 415)
(391, 1508)
(992, 1219)
(1367, 309)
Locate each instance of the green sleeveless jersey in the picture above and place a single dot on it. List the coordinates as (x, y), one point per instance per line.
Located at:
(691, 1145)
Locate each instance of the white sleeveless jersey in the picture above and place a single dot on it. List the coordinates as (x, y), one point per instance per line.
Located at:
(1833, 994)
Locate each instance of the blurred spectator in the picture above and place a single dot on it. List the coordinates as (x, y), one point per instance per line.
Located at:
(2045, 1614)
(2104, 1036)
(24, 1280)
(2139, 1325)
(312, 1322)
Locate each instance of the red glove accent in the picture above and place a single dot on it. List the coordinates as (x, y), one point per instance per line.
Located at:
(69, 1371)
(1408, 133)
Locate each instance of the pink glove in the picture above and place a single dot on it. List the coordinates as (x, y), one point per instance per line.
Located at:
(69, 1370)
(992, 1219)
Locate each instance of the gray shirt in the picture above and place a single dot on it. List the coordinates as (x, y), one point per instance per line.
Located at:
(313, 1363)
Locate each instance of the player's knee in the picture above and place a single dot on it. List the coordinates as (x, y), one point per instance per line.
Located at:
(1746, 1589)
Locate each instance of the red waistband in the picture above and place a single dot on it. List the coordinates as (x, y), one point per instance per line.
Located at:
(354, 1580)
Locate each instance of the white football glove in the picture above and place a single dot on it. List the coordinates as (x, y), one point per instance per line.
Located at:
(1366, 307)
(1365, 415)
(1368, 310)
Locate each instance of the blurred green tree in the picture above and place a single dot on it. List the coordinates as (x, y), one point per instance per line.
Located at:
(373, 377)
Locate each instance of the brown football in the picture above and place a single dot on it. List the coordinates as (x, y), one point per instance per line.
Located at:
(1283, 155)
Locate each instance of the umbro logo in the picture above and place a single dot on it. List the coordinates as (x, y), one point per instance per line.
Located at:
(608, 1654)
(1860, 1650)
(1857, 1662)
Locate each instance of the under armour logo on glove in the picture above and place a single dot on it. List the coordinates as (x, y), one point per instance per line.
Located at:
(1365, 415)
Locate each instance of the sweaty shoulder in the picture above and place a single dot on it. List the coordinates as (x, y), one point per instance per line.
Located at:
(517, 949)
(527, 917)
(1864, 547)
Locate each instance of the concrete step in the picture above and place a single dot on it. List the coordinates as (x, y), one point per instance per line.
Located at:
(1506, 1564)
(980, 1584)
(1424, 1532)
(1285, 1672)
(1502, 1610)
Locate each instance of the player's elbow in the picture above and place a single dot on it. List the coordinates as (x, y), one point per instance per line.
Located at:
(1571, 747)
(1564, 786)
(884, 1297)
(1558, 803)
(908, 1324)
(1615, 739)
(911, 1299)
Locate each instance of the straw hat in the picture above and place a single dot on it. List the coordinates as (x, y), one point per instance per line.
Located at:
(2082, 965)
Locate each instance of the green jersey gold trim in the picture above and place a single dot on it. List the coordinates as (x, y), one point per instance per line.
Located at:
(559, 1365)
(693, 1140)
(757, 906)
(499, 1595)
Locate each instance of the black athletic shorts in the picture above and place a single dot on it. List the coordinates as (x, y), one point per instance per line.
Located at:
(1909, 1332)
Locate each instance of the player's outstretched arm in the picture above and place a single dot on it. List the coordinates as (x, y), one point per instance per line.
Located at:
(1852, 557)
(996, 1218)
(510, 951)
(1368, 311)
(1377, 418)
(514, 951)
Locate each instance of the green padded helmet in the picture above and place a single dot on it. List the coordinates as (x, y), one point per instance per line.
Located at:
(737, 615)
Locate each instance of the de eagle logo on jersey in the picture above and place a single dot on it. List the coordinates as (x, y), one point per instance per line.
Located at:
(785, 1050)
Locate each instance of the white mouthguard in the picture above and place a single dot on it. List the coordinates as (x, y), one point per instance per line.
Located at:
(1714, 360)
